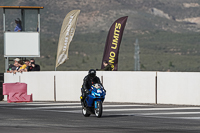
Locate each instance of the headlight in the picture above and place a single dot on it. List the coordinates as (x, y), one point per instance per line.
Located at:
(95, 94)
(99, 91)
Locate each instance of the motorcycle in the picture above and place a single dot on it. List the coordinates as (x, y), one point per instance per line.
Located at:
(93, 101)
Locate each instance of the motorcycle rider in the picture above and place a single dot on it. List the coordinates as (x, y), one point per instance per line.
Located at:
(88, 81)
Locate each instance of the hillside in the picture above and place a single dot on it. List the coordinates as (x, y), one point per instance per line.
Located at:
(168, 33)
(98, 15)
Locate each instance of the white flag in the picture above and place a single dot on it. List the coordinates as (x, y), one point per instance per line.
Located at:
(66, 35)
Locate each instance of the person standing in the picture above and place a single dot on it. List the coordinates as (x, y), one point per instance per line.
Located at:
(107, 66)
(18, 28)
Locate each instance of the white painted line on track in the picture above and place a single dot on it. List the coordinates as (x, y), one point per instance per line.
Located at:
(70, 106)
(39, 104)
(191, 118)
(143, 109)
(109, 110)
(154, 115)
(46, 104)
(42, 104)
(171, 113)
(185, 118)
(163, 113)
(65, 111)
(135, 114)
(49, 107)
(139, 105)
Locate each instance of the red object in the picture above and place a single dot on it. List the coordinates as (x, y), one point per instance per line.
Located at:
(17, 92)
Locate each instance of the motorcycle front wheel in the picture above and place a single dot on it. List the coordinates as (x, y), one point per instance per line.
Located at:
(85, 112)
(98, 109)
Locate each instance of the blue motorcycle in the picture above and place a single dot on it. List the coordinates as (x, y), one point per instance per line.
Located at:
(93, 101)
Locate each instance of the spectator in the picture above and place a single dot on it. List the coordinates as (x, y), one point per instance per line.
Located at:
(18, 27)
(15, 68)
(27, 62)
(107, 66)
(32, 66)
(16, 60)
(22, 66)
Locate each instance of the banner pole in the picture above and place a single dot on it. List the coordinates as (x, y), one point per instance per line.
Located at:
(54, 88)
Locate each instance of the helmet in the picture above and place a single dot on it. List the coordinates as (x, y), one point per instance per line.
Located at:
(92, 73)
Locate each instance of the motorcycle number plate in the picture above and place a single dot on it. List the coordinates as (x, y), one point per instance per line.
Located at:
(99, 91)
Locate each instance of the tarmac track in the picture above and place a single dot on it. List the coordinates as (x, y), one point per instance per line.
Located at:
(59, 117)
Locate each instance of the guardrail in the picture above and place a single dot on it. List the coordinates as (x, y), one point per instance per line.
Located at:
(121, 86)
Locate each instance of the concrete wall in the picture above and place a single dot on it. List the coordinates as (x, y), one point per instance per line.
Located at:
(11, 78)
(178, 88)
(68, 85)
(138, 87)
(41, 85)
(121, 86)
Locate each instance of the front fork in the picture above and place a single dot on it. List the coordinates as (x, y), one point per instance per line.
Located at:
(95, 103)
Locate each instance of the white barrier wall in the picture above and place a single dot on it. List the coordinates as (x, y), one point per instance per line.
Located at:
(137, 87)
(178, 88)
(11, 78)
(40, 84)
(120, 86)
(69, 84)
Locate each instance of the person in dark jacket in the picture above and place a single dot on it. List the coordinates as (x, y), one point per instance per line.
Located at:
(88, 81)
(107, 66)
(32, 66)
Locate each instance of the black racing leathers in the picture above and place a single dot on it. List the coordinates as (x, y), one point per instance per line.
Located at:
(87, 83)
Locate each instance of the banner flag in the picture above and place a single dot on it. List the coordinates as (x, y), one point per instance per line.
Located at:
(113, 41)
(66, 34)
